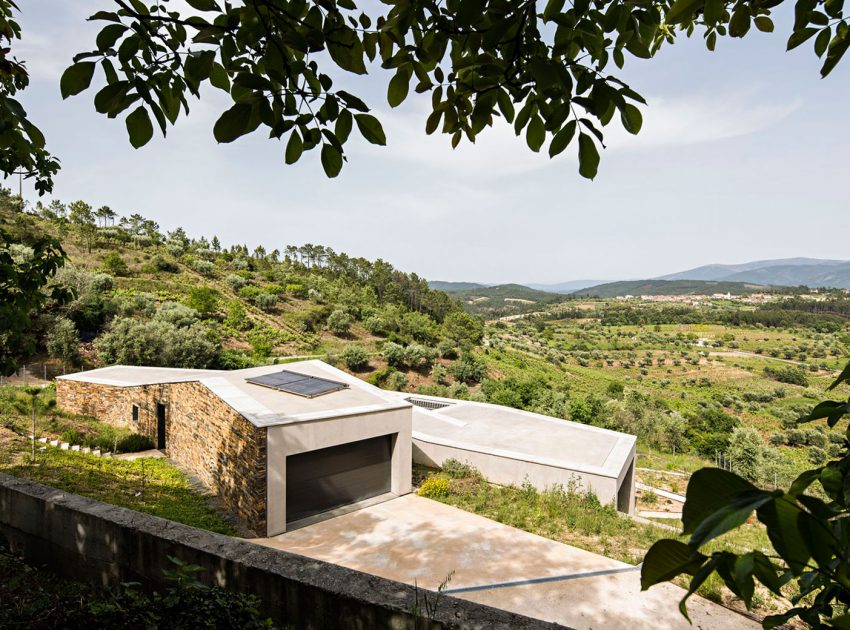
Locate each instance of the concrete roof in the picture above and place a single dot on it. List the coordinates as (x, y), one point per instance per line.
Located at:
(262, 406)
(134, 376)
(521, 435)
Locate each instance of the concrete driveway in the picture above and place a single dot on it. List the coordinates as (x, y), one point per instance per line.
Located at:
(418, 541)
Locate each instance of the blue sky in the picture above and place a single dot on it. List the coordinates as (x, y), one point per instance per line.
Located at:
(743, 156)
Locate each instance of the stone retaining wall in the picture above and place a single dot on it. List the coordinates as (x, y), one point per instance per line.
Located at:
(86, 539)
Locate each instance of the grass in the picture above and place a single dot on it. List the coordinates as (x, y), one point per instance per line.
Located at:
(152, 486)
(577, 518)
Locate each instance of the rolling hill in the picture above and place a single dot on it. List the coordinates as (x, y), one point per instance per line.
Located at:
(670, 287)
(454, 287)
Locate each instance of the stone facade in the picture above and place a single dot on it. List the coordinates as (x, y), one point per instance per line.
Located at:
(204, 436)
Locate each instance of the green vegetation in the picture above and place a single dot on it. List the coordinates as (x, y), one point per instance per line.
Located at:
(36, 598)
(671, 287)
(568, 515)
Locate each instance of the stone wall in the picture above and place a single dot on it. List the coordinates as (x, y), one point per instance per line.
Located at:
(225, 451)
(203, 435)
(88, 540)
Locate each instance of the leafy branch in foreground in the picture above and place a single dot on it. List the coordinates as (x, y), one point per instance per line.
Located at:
(810, 534)
(545, 72)
(21, 142)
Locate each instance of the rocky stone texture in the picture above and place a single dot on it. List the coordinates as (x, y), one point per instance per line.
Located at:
(203, 435)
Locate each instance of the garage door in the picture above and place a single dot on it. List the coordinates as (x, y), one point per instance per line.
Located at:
(318, 481)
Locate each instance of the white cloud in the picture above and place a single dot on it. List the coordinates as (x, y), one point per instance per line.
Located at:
(688, 120)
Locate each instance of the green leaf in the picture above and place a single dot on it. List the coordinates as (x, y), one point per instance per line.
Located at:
(682, 11)
(739, 25)
(830, 409)
(562, 139)
(76, 78)
(203, 5)
(535, 134)
(799, 36)
(343, 125)
(709, 490)
(398, 88)
(553, 8)
(822, 41)
(233, 123)
(331, 160)
(370, 128)
(844, 376)
(219, 78)
(139, 127)
(109, 35)
(764, 24)
(632, 118)
(588, 156)
(294, 148)
(733, 514)
(782, 520)
(666, 559)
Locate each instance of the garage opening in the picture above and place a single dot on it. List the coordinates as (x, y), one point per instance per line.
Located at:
(328, 478)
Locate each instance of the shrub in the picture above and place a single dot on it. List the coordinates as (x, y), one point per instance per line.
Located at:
(376, 325)
(114, 264)
(791, 375)
(396, 381)
(161, 263)
(134, 443)
(354, 357)
(236, 282)
(419, 356)
(266, 301)
(203, 267)
(393, 353)
(439, 373)
(157, 343)
(63, 342)
(339, 322)
(460, 470)
(177, 314)
(435, 488)
(204, 300)
(468, 369)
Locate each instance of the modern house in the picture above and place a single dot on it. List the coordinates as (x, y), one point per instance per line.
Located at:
(283, 445)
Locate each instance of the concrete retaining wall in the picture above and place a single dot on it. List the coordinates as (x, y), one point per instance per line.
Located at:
(86, 539)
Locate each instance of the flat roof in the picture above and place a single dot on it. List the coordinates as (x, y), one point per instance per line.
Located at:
(260, 405)
(521, 435)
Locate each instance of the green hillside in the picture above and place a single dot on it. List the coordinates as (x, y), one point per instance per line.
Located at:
(453, 287)
(673, 287)
(144, 297)
(504, 300)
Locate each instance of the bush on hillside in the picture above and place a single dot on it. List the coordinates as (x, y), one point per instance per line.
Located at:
(354, 357)
(339, 322)
(157, 343)
(134, 443)
(63, 342)
(393, 353)
(266, 301)
(791, 375)
(114, 264)
(468, 369)
(177, 314)
(418, 356)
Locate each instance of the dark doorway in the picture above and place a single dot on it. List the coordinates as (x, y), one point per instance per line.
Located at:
(160, 426)
(329, 478)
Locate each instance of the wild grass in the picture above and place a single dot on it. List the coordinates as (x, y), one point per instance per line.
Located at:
(152, 486)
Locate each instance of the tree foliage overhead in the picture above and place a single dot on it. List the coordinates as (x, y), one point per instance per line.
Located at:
(546, 68)
(22, 145)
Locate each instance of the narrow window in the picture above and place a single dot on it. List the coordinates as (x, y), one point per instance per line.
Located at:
(135, 414)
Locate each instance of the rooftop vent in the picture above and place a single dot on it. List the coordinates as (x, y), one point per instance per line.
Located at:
(428, 404)
(300, 384)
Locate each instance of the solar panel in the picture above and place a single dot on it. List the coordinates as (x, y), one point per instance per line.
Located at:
(300, 384)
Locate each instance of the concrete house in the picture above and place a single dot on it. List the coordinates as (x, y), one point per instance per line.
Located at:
(284, 445)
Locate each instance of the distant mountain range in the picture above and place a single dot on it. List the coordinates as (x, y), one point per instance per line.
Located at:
(742, 278)
(811, 272)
